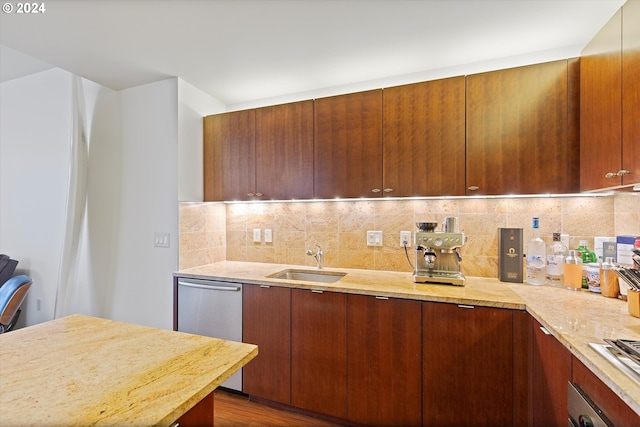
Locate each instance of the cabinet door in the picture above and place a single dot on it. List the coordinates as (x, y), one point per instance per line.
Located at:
(266, 322)
(551, 372)
(467, 369)
(618, 412)
(319, 352)
(229, 156)
(384, 361)
(601, 109)
(348, 145)
(424, 140)
(522, 131)
(284, 151)
(631, 92)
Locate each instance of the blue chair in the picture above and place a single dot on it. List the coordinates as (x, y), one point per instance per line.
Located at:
(12, 294)
(7, 267)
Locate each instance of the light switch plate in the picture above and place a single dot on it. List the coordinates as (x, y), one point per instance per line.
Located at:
(268, 235)
(160, 239)
(374, 238)
(257, 235)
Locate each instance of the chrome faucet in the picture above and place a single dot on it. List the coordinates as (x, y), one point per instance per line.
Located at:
(318, 256)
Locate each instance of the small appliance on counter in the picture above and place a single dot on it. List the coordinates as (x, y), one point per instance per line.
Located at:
(623, 354)
(437, 253)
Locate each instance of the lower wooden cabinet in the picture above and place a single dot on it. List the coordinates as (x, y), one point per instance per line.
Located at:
(618, 412)
(467, 367)
(319, 352)
(266, 322)
(550, 375)
(384, 357)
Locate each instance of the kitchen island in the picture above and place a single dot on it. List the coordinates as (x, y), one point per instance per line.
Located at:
(81, 370)
(575, 319)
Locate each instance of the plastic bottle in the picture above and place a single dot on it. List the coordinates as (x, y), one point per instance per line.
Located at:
(609, 286)
(556, 253)
(587, 257)
(573, 271)
(536, 257)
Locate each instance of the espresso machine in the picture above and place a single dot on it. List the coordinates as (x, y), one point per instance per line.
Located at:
(437, 253)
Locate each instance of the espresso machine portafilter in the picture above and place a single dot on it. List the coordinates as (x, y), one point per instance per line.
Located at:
(437, 253)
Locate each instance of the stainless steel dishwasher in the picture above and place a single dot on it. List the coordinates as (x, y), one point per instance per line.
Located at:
(214, 309)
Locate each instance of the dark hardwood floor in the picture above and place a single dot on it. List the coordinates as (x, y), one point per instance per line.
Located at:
(235, 410)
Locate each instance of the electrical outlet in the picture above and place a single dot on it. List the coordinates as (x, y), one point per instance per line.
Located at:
(38, 304)
(268, 235)
(405, 238)
(374, 238)
(257, 235)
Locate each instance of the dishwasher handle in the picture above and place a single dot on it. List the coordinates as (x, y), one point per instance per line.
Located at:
(215, 286)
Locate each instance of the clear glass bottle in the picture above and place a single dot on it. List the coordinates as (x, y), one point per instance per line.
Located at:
(587, 257)
(556, 253)
(536, 256)
(609, 286)
(573, 271)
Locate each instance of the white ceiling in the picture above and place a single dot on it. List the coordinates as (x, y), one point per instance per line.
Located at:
(240, 51)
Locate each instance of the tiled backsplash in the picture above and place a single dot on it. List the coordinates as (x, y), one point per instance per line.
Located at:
(211, 232)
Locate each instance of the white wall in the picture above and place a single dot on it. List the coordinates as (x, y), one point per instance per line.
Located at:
(35, 134)
(147, 187)
(134, 144)
(193, 105)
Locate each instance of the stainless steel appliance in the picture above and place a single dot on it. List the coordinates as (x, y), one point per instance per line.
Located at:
(437, 253)
(582, 411)
(623, 354)
(214, 309)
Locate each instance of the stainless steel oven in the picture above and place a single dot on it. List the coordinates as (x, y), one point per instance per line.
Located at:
(582, 411)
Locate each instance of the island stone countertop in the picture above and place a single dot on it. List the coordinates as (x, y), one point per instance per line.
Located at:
(80, 370)
(574, 318)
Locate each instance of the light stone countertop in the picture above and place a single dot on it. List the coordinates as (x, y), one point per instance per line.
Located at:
(80, 370)
(574, 318)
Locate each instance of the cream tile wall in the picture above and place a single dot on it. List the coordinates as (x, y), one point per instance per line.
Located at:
(211, 232)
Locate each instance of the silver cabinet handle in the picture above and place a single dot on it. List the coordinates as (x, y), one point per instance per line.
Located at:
(388, 190)
(383, 298)
(317, 291)
(611, 175)
(466, 306)
(375, 190)
(545, 330)
(473, 187)
(265, 286)
(623, 172)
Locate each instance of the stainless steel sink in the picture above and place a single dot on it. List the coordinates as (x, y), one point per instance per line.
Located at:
(309, 275)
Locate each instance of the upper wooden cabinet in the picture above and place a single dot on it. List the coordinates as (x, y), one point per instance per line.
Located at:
(522, 130)
(424, 139)
(284, 151)
(348, 145)
(610, 103)
(264, 153)
(229, 156)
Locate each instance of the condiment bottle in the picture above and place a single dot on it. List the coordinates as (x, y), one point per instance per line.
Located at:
(556, 253)
(573, 271)
(587, 256)
(609, 285)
